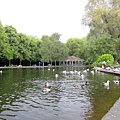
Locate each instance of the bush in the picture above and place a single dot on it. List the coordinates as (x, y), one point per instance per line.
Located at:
(108, 58)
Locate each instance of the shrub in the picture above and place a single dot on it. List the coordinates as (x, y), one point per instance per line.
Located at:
(108, 58)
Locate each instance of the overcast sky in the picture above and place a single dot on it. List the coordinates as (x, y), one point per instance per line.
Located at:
(45, 17)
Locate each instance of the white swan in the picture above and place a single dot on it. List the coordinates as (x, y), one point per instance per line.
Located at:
(64, 72)
(106, 83)
(0, 71)
(56, 75)
(117, 82)
(82, 76)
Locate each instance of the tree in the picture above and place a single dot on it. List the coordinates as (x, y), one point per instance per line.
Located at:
(34, 45)
(96, 47)
(75, 46)
(45, 50)
(103, 17)
(45, 37)
(3, 39)
(55, 36)
(12, 43)
(24, 47)
(59, 51)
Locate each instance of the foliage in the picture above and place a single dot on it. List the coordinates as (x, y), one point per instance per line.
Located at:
(3, 41)
(12, 39)
(99, 46)
(103, 18)
(55, 36)
(76, 46)
(108, 58)
(53, 51)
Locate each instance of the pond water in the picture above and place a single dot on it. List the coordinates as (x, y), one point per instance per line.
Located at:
(21, 96)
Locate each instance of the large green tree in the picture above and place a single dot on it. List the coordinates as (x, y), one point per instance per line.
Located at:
(102, 17)
(59, 51)
(55, 36)
(24, 52)
(99, 46)
(75, 46)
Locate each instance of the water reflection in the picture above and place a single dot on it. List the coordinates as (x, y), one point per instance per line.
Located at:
(21, 96)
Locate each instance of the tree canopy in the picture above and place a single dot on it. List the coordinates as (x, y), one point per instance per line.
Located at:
(103, 18)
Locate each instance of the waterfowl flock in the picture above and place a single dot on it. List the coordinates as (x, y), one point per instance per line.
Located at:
(81, 75)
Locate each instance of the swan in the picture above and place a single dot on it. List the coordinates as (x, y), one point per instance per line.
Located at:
(78, 72)
(49, 69)
(92, 72)
(1, 71)
(56, 75)
(106, 83)
(64, 72)
(82, 76)
(117, 82)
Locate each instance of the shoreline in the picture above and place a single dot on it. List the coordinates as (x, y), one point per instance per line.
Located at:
(4, 67)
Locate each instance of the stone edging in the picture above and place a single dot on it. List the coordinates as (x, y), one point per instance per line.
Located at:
(114, 112)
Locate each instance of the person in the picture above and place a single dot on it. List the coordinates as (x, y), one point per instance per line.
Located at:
(103, 64)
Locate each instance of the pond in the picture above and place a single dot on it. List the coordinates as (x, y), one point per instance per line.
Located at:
(22, 98)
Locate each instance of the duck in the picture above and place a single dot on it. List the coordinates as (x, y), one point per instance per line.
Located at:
(78, 86)
(84, 83)
(47, 87)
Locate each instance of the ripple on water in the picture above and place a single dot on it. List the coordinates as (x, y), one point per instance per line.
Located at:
(29, 103)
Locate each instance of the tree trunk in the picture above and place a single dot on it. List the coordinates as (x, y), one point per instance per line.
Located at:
(116, 60)
(9, 62)
(30, 63)
(55, 62)
(20, 62)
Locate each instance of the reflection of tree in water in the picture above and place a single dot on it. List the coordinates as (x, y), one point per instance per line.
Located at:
(101, 98)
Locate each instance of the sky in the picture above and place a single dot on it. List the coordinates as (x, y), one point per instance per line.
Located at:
(45, 17)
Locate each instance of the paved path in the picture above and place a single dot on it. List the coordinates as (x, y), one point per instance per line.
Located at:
(114, 113)
(109, 71)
